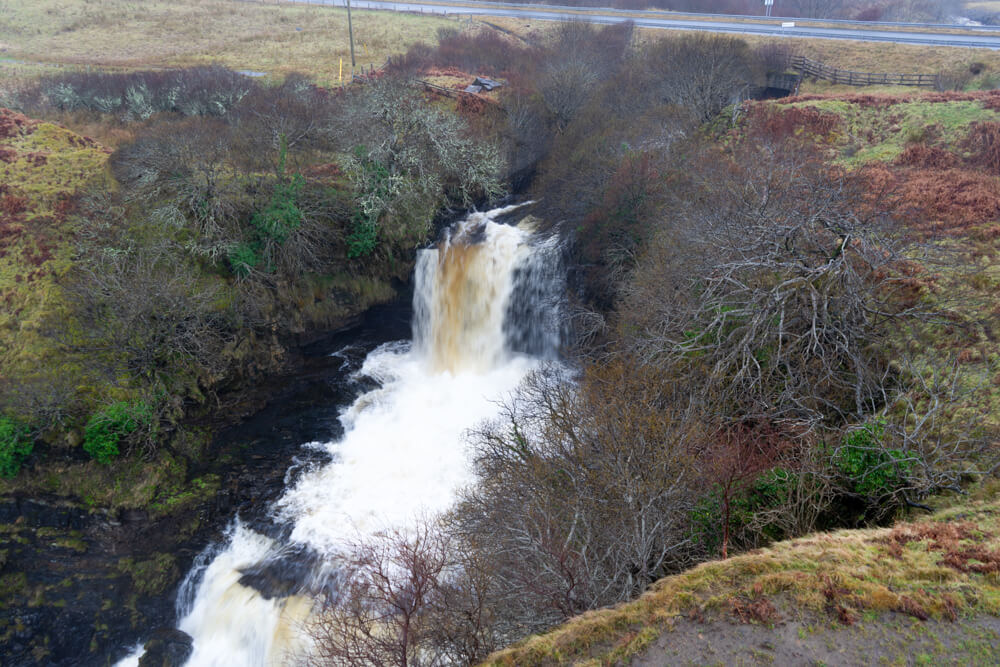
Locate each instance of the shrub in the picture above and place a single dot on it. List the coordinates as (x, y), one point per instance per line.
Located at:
(363, 238)
(871, 470)
(243, 258)
(107, 428)
(272, 227)
(766, 122)
(983, 146)
(927, 157)
(281, 216)
(195, 91)
(774, 57)
(15, 446)
(953, 79)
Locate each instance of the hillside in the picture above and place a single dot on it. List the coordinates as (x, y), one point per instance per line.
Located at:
(922, 592)
(146, 310)
(936, 158)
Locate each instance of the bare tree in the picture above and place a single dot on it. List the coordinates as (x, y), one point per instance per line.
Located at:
(783, 287)
(144, 311)
(583, 493)
(734, 457)
(581, 57)
(407, 599)
(378, 617)
(183, 173)
(703, 73)
(407, 159)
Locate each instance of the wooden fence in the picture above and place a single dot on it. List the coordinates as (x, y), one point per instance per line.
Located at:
(844, 76)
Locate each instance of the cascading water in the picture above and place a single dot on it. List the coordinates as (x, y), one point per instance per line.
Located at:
(484, 315)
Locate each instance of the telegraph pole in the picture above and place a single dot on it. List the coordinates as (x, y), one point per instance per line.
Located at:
(350, 31)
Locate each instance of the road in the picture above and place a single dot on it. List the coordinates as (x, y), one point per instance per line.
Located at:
(969, 38)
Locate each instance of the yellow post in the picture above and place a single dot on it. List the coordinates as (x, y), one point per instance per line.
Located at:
(340, 76)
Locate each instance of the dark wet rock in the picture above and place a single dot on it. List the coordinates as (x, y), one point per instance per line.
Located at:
(81, 587)
(134, 516)
(167, 647)
(282, 574)
(41, 513)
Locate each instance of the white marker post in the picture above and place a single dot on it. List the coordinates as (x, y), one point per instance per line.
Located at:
(767, 7)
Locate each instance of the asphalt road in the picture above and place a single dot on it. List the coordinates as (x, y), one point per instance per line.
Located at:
(965, 38)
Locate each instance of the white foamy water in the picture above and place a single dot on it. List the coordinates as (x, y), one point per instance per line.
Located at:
(403, 455)
(235, 624)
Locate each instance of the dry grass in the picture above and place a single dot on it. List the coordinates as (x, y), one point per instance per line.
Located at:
(940, 568)
(884, 57)
(263, 37)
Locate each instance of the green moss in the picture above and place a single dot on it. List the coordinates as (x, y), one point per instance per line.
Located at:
(12, 585)
(109, 426)
(52, 165)
(193, 493)
(151, 576)
(15, 445)
(70, 543)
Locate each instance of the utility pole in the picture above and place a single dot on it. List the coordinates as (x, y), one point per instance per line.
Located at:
(350, 31)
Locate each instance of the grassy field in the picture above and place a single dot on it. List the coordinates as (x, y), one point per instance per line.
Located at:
(41, 166)
(263, 37)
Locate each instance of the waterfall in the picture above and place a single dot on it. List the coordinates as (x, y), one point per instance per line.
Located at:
(485, 314)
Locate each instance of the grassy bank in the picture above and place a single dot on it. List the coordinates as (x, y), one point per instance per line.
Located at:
(859, 586)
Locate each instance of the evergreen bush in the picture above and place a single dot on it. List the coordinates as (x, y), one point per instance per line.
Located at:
(108, 427)
(15, 446)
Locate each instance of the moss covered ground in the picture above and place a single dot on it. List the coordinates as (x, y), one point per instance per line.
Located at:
(43, 167)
